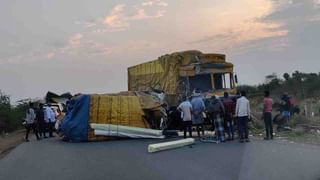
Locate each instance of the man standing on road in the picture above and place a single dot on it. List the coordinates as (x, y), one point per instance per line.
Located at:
(40, 121)
(243, 114)
(198, 108)
(229, 107)
(216, 111)
(267, 115)
(49, 117)
(286, 106)
(30, 122)
(186, 114)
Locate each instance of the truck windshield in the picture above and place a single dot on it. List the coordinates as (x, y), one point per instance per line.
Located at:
(201, 82)
(204, 82)
(223, 81)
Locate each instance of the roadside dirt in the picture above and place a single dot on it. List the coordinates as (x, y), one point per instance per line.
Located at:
(10, 141)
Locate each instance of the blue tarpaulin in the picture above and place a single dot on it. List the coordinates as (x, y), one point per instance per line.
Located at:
(76, 122)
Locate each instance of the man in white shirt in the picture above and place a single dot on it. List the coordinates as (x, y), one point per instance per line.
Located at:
(49, 118)
(186, 114)
(30, 122)
(243, 113)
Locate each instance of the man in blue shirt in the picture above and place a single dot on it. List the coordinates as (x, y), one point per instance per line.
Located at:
(198, 108)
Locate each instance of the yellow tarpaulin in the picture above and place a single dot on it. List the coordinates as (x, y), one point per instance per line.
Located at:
(117, 110)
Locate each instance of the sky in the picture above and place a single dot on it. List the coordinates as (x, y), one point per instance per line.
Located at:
(85, 46)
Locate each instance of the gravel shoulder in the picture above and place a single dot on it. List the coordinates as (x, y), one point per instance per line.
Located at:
(10, 141)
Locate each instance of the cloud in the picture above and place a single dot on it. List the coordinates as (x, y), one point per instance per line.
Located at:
(75, 45)
(155, 3)
(116, 19)
(78, 44)
(247, 28)
(141, 15)
(75, 39)
(147, 3)
(35, 54)
(89, 23)
(119, 18)
(50, 55)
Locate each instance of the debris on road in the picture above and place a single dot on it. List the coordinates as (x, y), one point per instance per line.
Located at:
(125, 131)
(170, 145)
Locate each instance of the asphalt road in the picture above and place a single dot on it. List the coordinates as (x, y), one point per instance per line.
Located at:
(128, 159)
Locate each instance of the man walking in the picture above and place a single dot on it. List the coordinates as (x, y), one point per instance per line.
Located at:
(198, 108)
(216, 111)
(242, 114)
(267, 115)
(30, 122)
(229, 107)
(186, 114)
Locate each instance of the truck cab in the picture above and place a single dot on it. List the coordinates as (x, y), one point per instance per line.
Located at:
(210, 74)
(179, 74)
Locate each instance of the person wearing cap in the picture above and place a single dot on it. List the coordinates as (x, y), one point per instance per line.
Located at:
(198, 107)
(243, 113)
(186, 115)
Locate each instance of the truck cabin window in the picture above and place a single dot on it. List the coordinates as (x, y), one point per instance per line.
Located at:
(222, 81)
(201, 82)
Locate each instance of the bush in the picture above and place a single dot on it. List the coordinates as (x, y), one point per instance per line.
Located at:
(10, 117)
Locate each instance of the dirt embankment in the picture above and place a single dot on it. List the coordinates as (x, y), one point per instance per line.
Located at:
(10, 141)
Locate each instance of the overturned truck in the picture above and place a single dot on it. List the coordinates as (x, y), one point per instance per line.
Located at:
(100, 117)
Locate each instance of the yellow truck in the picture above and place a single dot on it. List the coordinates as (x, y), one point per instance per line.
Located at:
(181, 73)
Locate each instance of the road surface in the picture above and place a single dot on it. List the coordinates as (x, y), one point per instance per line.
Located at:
(128, 159)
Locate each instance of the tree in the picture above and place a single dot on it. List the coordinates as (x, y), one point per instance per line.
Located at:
(286, 76)
(5, 111)
(10, 117)
(270, 78)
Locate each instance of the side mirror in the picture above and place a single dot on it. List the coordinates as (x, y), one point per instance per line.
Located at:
(236, 78)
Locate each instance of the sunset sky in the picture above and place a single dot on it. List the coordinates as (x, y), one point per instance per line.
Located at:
(86, 45)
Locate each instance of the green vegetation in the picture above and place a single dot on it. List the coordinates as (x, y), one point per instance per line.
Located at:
(10, 116)
(299, 85)
(305, 90)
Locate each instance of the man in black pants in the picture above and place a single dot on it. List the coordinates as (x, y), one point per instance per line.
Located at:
(30, 118)
(267, 115)
(40, 121)
(243, 114)
(186, 110)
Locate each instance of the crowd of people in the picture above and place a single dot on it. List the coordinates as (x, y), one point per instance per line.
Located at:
(223, 114)
(42, 121)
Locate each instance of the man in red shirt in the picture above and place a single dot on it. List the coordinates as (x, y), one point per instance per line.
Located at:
(267, 115)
